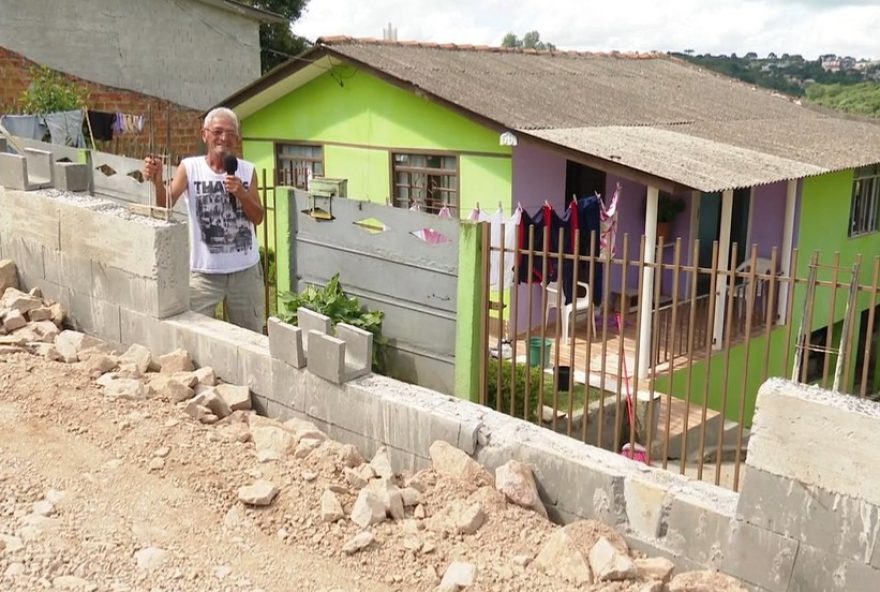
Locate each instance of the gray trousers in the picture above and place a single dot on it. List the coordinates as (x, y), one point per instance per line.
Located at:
(243, 292)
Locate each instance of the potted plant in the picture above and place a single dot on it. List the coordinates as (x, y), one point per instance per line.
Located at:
(668, 207)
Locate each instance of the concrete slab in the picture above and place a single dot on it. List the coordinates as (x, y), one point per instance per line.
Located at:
(155, 335)
(841, 524)
(309, 320)
(136, 293)
(760, 557)
(358, 350)
(29, 216)
(39, 167)
(286, 343)
(698, 522)
(255, 365)
(71, 176)
(93, 315)
(648, 497)
(28, 257)
(409, 426)
(326, 356)
(288, 387)
(816, 569)
(14, 172)
(210, 342)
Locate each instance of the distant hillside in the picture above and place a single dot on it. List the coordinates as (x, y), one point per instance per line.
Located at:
(841, 83)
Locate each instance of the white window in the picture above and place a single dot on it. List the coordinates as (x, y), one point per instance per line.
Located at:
(864, 213)
(428, 180)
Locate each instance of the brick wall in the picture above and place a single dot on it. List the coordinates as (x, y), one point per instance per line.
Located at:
(185, 123)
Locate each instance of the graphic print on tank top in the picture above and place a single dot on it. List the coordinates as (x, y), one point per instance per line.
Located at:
(224, 227)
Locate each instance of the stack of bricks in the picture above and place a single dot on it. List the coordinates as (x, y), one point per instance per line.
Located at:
(15, 71)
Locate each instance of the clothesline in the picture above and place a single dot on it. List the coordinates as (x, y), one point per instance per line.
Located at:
(66, 127)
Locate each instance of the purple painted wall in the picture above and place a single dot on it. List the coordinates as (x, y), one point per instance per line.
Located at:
(768, 216)
(538, 175)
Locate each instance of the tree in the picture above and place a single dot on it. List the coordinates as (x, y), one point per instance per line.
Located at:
(531, 40)
(277, 42)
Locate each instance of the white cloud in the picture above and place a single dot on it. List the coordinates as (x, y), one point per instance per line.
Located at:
(808, 27)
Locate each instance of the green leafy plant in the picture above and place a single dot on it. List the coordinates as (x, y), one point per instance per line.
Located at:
(669, 207)
(49, 92)
(331, 301)
(536, 375)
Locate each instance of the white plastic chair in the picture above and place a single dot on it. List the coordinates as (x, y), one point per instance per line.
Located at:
(578, 304)
(763, 269)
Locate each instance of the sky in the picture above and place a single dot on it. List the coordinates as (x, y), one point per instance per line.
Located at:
(806, 27)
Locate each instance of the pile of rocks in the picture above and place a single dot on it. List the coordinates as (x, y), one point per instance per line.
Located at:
(28, 322)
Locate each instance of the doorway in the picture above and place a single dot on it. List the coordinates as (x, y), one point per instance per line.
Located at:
(582, 181)
(709, 229)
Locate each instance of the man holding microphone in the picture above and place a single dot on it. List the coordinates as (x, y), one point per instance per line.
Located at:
(223, 209)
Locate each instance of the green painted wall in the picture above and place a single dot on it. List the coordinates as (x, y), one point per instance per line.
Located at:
(262, 154)
(369, 116)
(467, 334)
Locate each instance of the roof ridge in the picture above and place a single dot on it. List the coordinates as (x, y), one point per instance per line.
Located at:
(349, 40)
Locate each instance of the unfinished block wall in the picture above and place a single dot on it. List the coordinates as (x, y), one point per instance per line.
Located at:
(807, 518)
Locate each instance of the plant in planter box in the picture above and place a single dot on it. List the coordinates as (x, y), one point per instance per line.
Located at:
(668, 208)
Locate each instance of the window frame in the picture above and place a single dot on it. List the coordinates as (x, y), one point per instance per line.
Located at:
(280, 157)
(455, 188)
(864, 209)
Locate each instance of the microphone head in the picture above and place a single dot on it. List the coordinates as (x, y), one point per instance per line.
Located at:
(230, 163)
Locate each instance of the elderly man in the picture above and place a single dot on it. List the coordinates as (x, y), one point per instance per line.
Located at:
(223, 211)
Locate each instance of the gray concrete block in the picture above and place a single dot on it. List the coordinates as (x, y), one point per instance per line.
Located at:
(50, 291)
(29, 216)
(366, 446)
(260, 404)
(326, 357)
(816, 569)
(14, 172)
(255, 365)
(760, 557)
(648, 497)
(93, 316)
(71, 176)
(74, 271)
(698, 522)
(409, 426)
(39, 167)
(134, 292)
(210, 342)
(817, 438)
(155, 335)
(288, 387)
(281, 412)
(309, 320)
(405, 461)
(358, 350)
(286, 343)
(841, 524)
(28, 257)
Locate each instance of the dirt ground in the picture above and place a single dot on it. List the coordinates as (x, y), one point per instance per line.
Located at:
(118, 495)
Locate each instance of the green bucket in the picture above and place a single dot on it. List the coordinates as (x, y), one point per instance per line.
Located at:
(535, 352)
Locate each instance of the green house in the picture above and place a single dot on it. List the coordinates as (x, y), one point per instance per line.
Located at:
(482, 127)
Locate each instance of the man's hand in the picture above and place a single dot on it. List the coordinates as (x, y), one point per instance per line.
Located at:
(153, 169)
(234, 186)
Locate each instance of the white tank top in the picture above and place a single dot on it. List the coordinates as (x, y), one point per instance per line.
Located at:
(222, 239)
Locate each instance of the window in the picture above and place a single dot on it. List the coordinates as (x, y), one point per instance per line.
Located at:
(294, 162)
(863, 217)
(429, 180)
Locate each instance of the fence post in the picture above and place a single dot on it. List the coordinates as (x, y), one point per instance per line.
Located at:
(469, 354)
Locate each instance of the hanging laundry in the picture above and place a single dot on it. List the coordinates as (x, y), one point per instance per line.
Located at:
(65, 127)
(477, 215)
(25, 126)
(445, 212)
(430, 236)
(541, 222)
(101, 124)
(505, 277)
(608, 225)
(128, 124)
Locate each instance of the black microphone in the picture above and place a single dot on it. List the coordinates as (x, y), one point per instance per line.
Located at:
(230, 163)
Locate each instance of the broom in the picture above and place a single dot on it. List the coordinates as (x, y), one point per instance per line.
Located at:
(636, 452)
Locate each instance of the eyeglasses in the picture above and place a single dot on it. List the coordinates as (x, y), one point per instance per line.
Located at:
(217, 133)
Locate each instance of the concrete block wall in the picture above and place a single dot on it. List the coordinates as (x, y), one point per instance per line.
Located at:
(95, 258)
(807, 518)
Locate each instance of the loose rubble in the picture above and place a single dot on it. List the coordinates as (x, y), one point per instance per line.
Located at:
(451, 526)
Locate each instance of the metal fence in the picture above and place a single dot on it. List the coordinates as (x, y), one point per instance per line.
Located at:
(712, 335)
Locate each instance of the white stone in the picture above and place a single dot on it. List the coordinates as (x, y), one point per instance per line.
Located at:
(305, 447)
(411, 496)
(458, 516)
(188, 378)
(11, 543)
(20, 301)
(609, 564)
(655, 568)
(368, 509)
(156, 464)
(101, 363)
(14, 569)
(304, 429)
(150, 558)
(176, 391)
(381, 463)
(516, 482)
(70, 343)
(55, 496)
(43, 313)
(126, 388)
(205, 375)
(73, 583)
(8, 275)
(458, 575)
(213, 402)
(259, 493)
(331, 509)
(176, 361)
(452, 462)
(359, 541)
(560, 556)
(43, 507)
(139, 355)
(13, 320)
(236, 397)
(272, 442)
